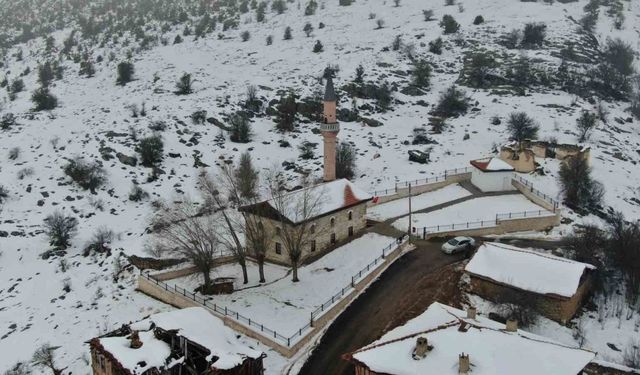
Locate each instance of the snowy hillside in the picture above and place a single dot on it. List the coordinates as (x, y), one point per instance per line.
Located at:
(94, 120)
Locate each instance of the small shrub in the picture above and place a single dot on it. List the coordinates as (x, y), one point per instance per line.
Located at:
(307, 150)
(4, 194)
(631, 355)
(240, 128)
(151, 150)
(199, 117)
(379, 23)
(449, 25)
(421, 74)
(308, 29)
(269, 40)
(43, 100)
(184, 85)
(345, 3)
(245, 36)
(60, 229)
(100, 241)
(478, 20)
(420, 137)
(435, 46)
(125, 73)
(8, 120)
(318, 47)
(14, 153)
(533, 34)
(512, 39)
(453, 102)
(287, 33)
(428, 15)
(16, 86)
(89, 176)
(137, 193)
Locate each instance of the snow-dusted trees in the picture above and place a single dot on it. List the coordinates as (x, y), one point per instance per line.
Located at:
(60, 228)
(585, 124)
(43, 100)
(581, 192)
(287, 110)
(345, 161)
(521, 127)
(302, 205)
(240, 128)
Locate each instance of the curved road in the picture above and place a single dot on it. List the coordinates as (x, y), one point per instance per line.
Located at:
(402, 292)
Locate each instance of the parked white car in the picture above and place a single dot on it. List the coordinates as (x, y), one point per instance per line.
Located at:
(458, 244)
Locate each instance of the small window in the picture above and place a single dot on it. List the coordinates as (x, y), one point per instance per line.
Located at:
(278, 248)
(278, 231)
(350, 215)
(333, 238)
(350, 231)
(313, 245)
(333, 221)
(312, 229)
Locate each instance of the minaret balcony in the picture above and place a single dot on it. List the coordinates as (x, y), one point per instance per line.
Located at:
(330, 127)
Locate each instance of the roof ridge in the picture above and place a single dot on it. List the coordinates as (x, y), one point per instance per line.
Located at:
(536, 253)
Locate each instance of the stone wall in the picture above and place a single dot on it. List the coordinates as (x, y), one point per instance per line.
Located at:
(323, 230)
(503, 226)
(523, 162)
(603, 368)
(553, 307)
(174, 274)
(403, 192)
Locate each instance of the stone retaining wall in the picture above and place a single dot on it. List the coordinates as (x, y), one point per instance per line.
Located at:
(154, 290)
(174, 274)
(419, 189)
(536, 223)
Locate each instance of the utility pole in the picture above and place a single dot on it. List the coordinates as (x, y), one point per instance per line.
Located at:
(409, 230)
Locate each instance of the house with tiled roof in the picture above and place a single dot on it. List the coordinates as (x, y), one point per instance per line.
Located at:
(338, 215)
(491, 174)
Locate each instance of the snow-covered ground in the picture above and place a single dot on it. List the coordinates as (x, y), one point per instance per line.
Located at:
(477, 209)
(285, 306)
(400, 207)
(94, 115)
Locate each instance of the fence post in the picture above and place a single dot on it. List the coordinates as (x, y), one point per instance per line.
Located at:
(424, 233)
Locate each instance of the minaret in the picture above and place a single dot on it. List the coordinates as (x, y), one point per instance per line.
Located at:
(329, 129)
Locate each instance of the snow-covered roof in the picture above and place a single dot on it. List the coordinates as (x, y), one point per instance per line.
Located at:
(491, 349)
(331, 196)
(528, 270)
(196, 325)
(492, 165)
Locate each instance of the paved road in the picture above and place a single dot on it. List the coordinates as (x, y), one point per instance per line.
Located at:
(403, 291)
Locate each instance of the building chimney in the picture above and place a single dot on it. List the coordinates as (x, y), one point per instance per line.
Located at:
(512, 325)
(471, 312)
(135, 340)
(464, 365)
(329, 129)
(422, 348)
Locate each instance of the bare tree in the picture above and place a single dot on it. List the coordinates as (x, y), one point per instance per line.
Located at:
(43, 357)
(295, 211)
(585, 124)
(60, 229)
(182, 230)
(241, 184)
(230, 227)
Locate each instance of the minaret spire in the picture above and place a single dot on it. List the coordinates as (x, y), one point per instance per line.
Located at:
(329, 129)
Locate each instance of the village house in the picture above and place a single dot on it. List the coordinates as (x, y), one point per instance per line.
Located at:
(491, 174)
(187, 341)
(444, 340)
(554, 286)
(522, 157)
(339, 216)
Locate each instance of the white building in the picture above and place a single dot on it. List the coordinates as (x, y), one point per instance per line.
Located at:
(492, 174)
